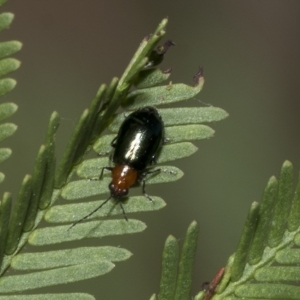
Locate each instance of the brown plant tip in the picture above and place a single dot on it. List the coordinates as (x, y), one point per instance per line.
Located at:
(165, 47)
(157, 56)
(167, 71)
(198, 75)
(210, 287)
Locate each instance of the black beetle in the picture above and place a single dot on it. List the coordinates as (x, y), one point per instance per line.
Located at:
(135, 148)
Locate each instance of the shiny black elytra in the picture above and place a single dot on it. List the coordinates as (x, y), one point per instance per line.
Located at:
(135, 148)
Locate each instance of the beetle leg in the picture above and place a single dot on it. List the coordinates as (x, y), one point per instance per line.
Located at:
(144, 191)
(142, 178)
(123, 210)
(104, 168)
(101, 174)
(151, 172)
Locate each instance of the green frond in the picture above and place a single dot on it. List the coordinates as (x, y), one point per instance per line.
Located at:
(7, 65)
(266, 263)
(51, 181)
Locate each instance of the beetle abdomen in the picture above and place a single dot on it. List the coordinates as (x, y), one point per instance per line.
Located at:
(139, 138)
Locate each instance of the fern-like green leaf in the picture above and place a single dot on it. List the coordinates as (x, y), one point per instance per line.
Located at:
(266, 263)
(7, 65)
(39, 192)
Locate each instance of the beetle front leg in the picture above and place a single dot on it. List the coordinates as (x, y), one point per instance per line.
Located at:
(101, 174)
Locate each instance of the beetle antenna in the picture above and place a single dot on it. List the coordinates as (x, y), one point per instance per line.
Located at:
(123, 211)
(91, 213)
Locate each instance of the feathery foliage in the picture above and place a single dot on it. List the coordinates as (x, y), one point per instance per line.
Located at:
(39, 191)
(266, 262)
(7, 65)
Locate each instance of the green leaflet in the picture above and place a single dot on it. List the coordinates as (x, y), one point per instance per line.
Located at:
(5, 153)
(18, 215)
(68, 257)
(268, 291)
(7, 110)
(288, 256)
(6, 85)
(240, 258)
(5, 20)
(9, 48)
(151, 77)
(16, 283)
(282, 273)
(69, 296)
(282, 205)
(186, 263)
(170, 260)
(8, 65)
(93, 229)
(6, 130)
(163, 94)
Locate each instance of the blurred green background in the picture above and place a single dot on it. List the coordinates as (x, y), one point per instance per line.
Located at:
(250, 54)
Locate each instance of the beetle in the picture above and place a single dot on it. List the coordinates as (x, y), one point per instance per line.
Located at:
(136, 147)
